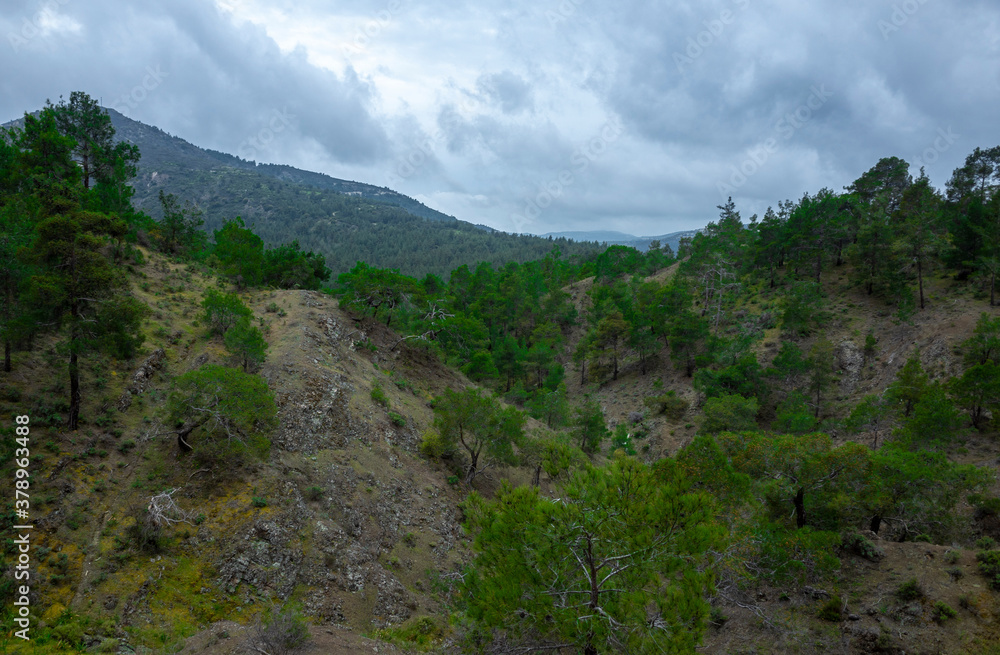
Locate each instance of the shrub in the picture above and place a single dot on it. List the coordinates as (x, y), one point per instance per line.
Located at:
(314, 493)
(910, 590)
(942, 612)
(281, 634)
(989, 566)
(951, 556)
(432, 446)
(397, 419)
(832, 610)
(667, 404)
(863, 547)
(378, 395)
(258, 501)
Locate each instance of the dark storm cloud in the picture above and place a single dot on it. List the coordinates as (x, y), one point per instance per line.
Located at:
(188, 68)
(497, 112)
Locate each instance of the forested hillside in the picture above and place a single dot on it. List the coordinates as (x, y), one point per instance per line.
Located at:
(779, 438)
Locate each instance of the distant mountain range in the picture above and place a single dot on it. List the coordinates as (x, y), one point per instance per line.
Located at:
(613, 238)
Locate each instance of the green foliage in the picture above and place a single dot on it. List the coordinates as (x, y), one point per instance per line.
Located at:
(223, 311)
(397, 419)
(590, 427)
(729, 413)
(481, 425)
(978, 391)
(942, 612)
(862, 547)
(909, 386)
(934, 420)
(622, 538)
(231, 411)
(989, 566)
(667, 404)
(984, 344)
(421, 633)
(247, 344)
(621, 439)
(794, 415)
(832, 610)
(314, 493)
(239, 253)
(378, 394)
(802, 314)
(909, 591)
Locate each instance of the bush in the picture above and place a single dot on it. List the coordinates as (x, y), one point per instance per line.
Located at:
(862, 547)
(314, 493)
(667, 404)
(432, 446)
(989, 566)
(397, 419)
(258, 501)
(729, 413)
(281, 634)
(986, 543)
(910, 590)
(942, 612)
(832, 610)
(378, 395)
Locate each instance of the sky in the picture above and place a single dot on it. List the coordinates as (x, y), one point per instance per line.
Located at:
(541, 115)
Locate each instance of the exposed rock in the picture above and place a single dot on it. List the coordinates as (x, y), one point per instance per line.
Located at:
(139, 381)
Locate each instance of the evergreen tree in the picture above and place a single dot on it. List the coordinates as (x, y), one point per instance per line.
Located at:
(617, 564)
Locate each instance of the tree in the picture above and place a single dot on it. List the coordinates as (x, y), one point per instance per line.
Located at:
(610, 338)
(909, 385)
(247, 343)
(821, 363)
(729, 413)
(798, 466)
(984, 344)
(230, 411)
(916, 490)
(978, 390)
(617, 564)
(481, 425)
(871, 415)
(76, 286)
(179, 226)
(240, 253)
(223, 311)
(590, 428)
(920, 226)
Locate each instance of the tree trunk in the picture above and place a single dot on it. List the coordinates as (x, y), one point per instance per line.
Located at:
(920, 282)
(6, 356)
(876, 523)
(74, 390)
(536, 480)
(800, 507)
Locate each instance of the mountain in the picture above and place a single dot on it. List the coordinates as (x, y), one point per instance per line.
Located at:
(612, 238)
(162, 151)
(345, 221)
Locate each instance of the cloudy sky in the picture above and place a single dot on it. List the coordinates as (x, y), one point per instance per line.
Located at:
(541, 115)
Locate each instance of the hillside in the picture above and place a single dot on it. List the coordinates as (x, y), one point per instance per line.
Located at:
(612, 238)
(344, 221)
(350, 523)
